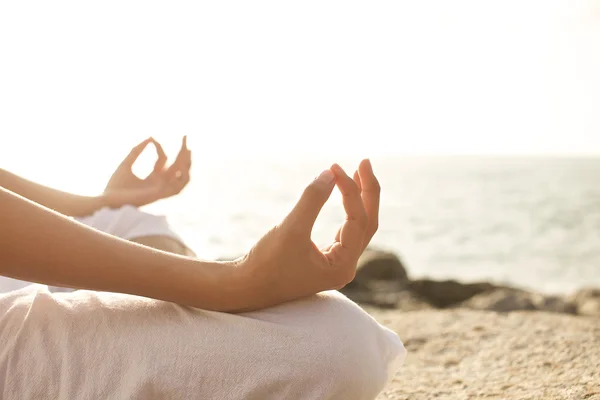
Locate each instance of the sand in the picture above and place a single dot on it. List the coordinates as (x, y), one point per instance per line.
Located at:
(466, 354)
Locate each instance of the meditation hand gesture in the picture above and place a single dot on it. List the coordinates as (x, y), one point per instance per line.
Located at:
(124, 187)
(285, 264)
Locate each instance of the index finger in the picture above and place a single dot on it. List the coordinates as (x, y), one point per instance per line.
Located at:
(161, 156)
(135, 153)
(352, 233)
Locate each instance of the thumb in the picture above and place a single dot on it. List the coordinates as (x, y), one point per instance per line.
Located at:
(314, 197)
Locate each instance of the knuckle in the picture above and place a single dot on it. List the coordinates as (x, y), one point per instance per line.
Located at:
(343, 277)
(294, 229)
(354, 190)
(291, 228)
(363, 221)
(347, 276)
(376, 185)
(374, 226)
(350, 275)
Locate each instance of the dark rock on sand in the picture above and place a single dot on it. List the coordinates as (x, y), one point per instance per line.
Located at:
(587, 301)
(505, 300)
(390, 299)
(378, 268)
(380, 280)
(408, 301)
(556, 304)
(447, 293)
(501, 300)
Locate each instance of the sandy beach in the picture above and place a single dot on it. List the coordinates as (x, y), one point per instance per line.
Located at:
(470, 354)
(479, 340)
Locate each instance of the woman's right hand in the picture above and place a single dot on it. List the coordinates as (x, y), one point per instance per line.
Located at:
(286, 265)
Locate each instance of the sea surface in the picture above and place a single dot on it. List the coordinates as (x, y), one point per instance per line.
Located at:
(531, 222)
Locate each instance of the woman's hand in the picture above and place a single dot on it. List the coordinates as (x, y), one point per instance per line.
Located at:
(124, 187)
(286, 265)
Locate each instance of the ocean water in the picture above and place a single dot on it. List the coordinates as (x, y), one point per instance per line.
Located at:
(531, 222)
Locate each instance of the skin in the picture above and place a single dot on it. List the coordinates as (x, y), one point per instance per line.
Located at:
(283, 266)
(124, 187)
(165, 243)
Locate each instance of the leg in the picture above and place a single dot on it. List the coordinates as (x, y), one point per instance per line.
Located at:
(165, 243)
(133, 224)
(88, 344)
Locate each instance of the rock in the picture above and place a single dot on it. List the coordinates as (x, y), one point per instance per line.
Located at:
(399, 300)
(589, 307)
(446, 293)
(555, 304)
(586, 293)
(380, 278)
(408, 301)
(508, 299)
(501, 300)
(377, 268)
(504, 300)
(587, 301)
(382, 299)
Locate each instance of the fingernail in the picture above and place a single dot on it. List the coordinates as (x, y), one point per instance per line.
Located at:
(326, 177)
(369, 165)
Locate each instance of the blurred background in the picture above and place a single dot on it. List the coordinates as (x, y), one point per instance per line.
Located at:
(481, 119)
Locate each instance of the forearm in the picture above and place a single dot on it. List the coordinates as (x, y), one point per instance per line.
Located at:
(39, 245)
(65, 203)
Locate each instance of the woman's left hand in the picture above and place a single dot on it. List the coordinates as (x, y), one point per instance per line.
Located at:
(124, 187)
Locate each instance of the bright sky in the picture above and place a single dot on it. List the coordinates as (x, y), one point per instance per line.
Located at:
(81, 82)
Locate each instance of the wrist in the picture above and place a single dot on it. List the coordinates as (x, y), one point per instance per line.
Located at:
(215, 286)
(237, 287)
(251, 289)
(102, 201)
(83, 206)
(110, 200)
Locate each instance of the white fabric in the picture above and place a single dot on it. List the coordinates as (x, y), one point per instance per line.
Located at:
(96, 345)
(129, 223)
(9, 284)
(93, 345)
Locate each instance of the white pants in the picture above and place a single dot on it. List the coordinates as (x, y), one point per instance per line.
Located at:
(97, 345)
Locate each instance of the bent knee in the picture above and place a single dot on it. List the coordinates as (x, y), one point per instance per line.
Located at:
(365, 353)
(351, 353)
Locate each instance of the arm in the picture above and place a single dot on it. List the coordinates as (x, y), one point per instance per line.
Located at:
(39, 245)
(65, 203)
(123, 188)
